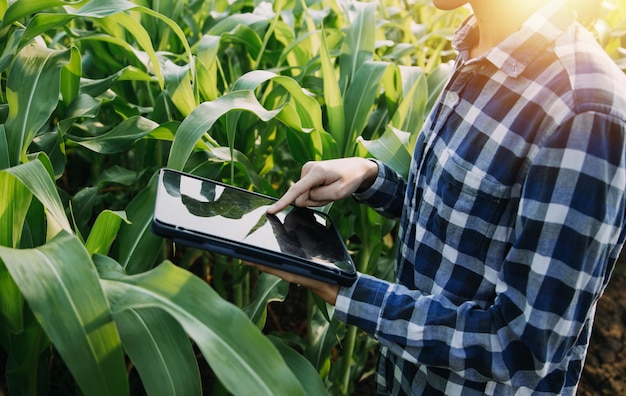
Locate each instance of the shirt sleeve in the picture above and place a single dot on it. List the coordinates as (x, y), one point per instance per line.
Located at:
(568, 232)
(386, 195)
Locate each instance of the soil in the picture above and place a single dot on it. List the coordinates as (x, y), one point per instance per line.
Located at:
(605, 370)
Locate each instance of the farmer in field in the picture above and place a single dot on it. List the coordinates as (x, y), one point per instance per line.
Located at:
(512, 216)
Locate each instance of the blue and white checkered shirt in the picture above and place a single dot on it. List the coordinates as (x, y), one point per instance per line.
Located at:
(511, 220)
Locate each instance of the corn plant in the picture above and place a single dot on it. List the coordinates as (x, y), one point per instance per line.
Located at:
(97, 95)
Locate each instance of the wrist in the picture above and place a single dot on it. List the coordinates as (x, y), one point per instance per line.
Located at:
(327, 292)
(370, 175)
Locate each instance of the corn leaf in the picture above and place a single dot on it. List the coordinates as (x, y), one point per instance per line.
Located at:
(204, 116)
(157, 345)
(306, 373)
(120, 138)
(268, 288)
(220, 330)
(411, 112)
(37, 177)
(392, 148)
(358, 47)
(32, 95)
(104, 231)
(138, 248)
(359, 100)
(333, 98)
(61, 285)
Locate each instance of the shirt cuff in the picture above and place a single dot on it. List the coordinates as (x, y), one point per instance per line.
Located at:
(371, 190)
(361, 304)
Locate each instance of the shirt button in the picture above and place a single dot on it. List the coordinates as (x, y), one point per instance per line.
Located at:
(452, 99)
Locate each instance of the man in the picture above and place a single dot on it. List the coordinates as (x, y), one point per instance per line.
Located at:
(511, 219)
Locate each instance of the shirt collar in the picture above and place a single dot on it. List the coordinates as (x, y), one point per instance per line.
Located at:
(513, 55)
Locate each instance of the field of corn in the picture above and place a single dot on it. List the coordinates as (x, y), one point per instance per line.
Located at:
(97, 95)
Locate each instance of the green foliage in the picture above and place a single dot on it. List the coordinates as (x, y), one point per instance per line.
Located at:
(97, 95)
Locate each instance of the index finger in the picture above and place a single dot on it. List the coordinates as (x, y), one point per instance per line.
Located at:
(288, 198)
(309, 181)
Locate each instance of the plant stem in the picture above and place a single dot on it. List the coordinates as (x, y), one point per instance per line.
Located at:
(365, 255)
(346, 363)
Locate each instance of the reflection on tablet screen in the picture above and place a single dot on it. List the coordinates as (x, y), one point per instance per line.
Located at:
(227, 213)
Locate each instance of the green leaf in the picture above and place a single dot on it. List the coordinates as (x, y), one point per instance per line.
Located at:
(119, 175)
(207, 55)
(104, 231)
(11, 306)
(204, 116)
(61, 286)
(179, 86)
(24, 8)
(120, 138)
(358, 47)
(306, 373)
(157, 345)
(32, 94)
(326, 335)
(140, 34)
(14, 202)
(138, 247)
(82, 205)
(268, 288)
(411, 112)
(37, 177)
(301, 112)
(307, 112)
(70, 76)
(333, 98)
(161, 351)
(95, 88)
(392, 148)
(12, 45)
(359, 100)
(241, 357)
(231, 22)
(42, 23)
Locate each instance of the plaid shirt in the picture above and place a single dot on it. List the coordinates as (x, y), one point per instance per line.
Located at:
(511, 220)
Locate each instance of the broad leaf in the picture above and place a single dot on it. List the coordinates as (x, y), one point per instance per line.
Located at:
(61, 286)
(161, 352)
(138, 247)
(391, 148)
(179, 86)
(241, 357)
(32, 94)
(359, 100)
(24, 8)
(412, 109)
(306, 373)
(120, 138)
(358, 47)
(104, 231)
(268, 288)
(204, 116)
(37, 177)
(333, 98)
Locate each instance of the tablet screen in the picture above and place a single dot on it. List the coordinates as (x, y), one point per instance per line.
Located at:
(226, 213)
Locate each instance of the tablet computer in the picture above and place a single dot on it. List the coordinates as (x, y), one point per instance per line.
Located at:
(217, 217)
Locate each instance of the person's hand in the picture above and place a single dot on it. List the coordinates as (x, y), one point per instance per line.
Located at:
(328, 292)
(323, 182)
